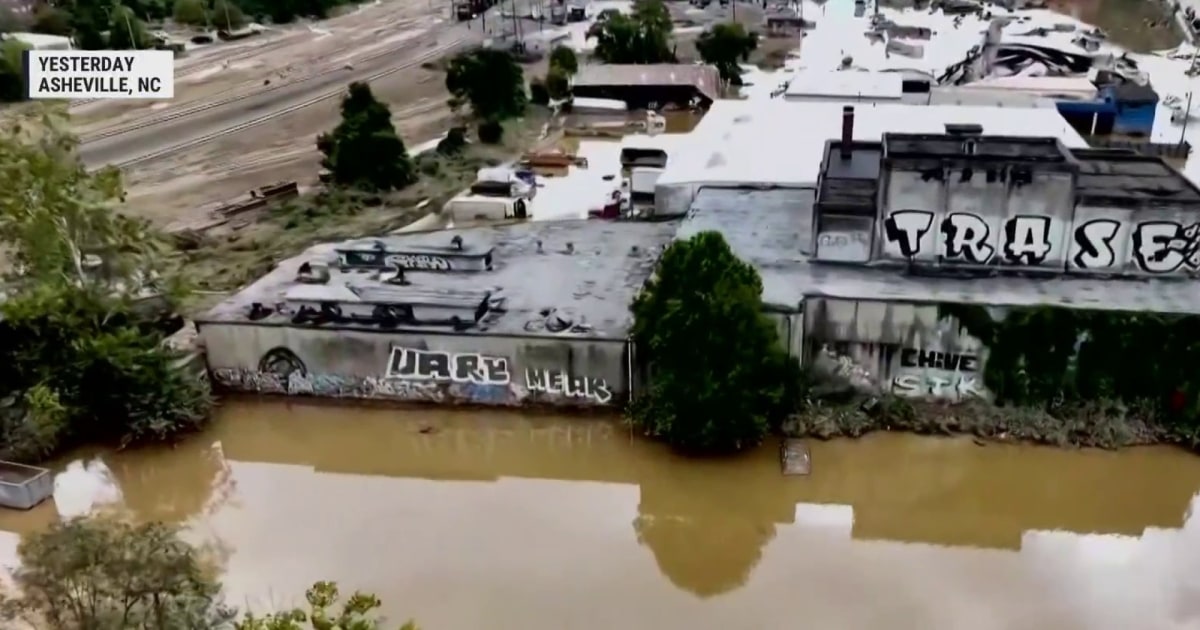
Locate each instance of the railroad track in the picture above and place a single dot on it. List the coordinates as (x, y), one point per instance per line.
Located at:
(199, 66)
(324, 96)
(118, 130)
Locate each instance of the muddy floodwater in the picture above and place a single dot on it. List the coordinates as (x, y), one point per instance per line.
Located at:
(490, 521)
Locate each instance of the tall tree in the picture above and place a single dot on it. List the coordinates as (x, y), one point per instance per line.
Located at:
(490, 80)
(720, 379)
(125, 30)
(364, 150)
(643, 37)
(725, 46)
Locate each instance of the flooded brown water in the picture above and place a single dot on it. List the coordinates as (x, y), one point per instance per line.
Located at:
(479, 520)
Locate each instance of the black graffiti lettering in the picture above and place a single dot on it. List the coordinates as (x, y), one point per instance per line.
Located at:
(950, 361)
(1095, 242)
(413, 364)
(966, 237)
(418, 262)
(1027, 239)
(906, 228)
(1164, 246)
(560, 384)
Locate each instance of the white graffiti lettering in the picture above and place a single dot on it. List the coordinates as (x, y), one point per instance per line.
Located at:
(1094, 241)
(559, 383)
(906, 228)
(1027, 240)
(1164, 246)
(418, 262)
(414, 364)
(966, 237)
(956, 387)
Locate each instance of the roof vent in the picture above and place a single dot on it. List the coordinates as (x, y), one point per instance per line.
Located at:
(964, 129)
(570, 248)
(258, 311)
(309, 273)
(539, 246)
(457, 243)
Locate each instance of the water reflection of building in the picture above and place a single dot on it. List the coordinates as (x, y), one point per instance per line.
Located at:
(710, 527)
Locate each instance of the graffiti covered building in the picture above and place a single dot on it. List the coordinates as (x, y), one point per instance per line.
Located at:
(530, 313)
(868, 272)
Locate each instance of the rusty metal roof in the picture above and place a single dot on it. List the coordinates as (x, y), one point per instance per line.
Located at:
(705, 79)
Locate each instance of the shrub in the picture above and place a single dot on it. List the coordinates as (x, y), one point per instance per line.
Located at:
(491, 132)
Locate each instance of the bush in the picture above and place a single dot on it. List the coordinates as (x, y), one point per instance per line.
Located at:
(538, 94)
(364, 151)
(564, 59)
(491, 132)
(720, 380)
(454, 142)
(557, 84)
(91, 370)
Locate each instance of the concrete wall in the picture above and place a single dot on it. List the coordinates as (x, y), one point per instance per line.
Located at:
(477, 369)
(976, 222)
(894, 348)
(791, 332)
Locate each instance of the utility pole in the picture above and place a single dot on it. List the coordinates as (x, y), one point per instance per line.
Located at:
(228, 22)
(1187, 115)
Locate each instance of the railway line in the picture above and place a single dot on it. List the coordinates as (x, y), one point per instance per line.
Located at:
(129, 147)
(185, 112)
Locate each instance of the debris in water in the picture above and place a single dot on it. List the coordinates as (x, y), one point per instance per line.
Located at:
(795, 458)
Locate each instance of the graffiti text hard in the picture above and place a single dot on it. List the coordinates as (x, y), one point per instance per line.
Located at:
(414, 364)
(949, 361)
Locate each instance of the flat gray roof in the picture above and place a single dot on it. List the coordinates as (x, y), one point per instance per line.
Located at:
(772, 229)
(591, 286)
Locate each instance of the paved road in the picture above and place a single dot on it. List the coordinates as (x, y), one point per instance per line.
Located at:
(123, 147)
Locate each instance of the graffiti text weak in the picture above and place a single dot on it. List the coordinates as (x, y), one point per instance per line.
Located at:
(1026, 240)
(413, 364)
(557, 383)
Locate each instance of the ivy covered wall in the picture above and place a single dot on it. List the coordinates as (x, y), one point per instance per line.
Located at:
(1042, 355)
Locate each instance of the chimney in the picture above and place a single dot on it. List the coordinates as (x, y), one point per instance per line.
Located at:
(847, 130)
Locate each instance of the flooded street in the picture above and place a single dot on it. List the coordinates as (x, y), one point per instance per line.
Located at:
(489, 520)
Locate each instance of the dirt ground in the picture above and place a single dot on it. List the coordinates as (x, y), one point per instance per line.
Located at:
(182, 185)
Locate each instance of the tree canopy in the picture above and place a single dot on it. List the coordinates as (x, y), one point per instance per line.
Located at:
(725, 46)
(103, 573)
(563, 58)
(643, 37)
(364, 151)
(719, 378)
(12, 78)
(79, 326)
(490, 81)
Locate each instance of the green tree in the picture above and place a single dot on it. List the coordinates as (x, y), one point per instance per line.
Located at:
(78, 318)
(558, 86)
(12, 77)
(724, 46)
(719, 379)
(564, 58)
(51, 20)
(191, 12)
(643, 37)
(227, 15)
(364, 151)
(105, 574)
(490, 80)
(356, 613)
(125, 30)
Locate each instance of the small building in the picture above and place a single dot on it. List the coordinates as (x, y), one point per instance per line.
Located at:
(649, 86)
(38, 41)
(523, 314)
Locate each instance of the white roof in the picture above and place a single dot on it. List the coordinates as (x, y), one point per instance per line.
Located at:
(1046, 86)
(846, 84)
(782, 142)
